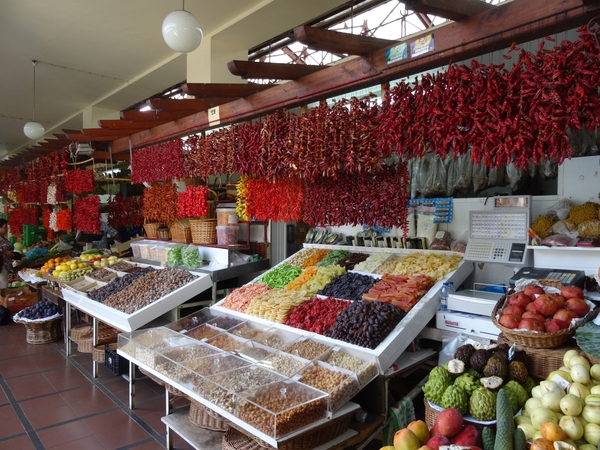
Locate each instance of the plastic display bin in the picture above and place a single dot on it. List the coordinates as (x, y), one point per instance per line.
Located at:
(118, 365)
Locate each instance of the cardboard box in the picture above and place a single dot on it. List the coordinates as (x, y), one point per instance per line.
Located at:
(470, 324)
(16, 299)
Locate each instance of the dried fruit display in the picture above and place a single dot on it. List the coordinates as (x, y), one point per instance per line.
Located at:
(403, 291)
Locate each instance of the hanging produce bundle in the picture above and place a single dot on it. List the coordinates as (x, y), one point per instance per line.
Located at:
(161, 162)
(27, 192)
(87, 214)
(46, 217)
(159, 203)
(64, 220)
(280, 200)
(193, 202)
(10, 179)
(241, 198)
(124, 212)
(79, 181)
(213, 154)
(22, 216)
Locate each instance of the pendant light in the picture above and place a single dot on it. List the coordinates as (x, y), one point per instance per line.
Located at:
(34, 130)
(181, 31)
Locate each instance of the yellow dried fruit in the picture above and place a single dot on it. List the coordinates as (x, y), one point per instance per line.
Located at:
(589, 229)
(581, 213)
(542, 226)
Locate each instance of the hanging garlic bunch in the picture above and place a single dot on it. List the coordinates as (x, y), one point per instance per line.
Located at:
(52, 225)
(51, 196)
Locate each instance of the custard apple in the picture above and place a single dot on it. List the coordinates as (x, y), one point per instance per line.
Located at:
(467, 383)
(440, 372)
(435, 387)
(456, 397)
(529, 385)
(512, 387)
(482, 404)
(518, 371)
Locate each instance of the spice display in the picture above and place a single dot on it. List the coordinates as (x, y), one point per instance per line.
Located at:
(350, 286)
(87, 214)
(193, 202)
(316, 315)
(190, 257)
(174, 255)
(280, 276)
(100, 295)
(306, 275)
(148, 288)
(159, 203)
(124, 212)
(276, 304)
(403, 291)
(159, 162)
(240, 299)
(322, 279)
(294, 405)
(372, 262)
(366, 323)
(339, 385)
(79, 181)
(435, 266)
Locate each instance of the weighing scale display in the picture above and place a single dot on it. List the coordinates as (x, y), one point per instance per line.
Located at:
(495, 251)
(499, 225)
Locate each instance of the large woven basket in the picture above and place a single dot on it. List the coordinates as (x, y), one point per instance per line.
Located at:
(151, 229)
(431, 415)
(106, 335)
(204, 231)
(80, 331)
(42, 332)
(181, 231)
(152, 377)
(212, 203)
(203, 417)
(535, 339)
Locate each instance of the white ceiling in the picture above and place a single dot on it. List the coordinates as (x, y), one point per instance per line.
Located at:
(110, 53)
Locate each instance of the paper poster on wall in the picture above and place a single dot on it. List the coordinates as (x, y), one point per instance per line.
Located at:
(421, 45)
(397, 53)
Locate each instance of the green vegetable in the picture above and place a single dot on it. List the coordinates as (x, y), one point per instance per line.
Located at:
(505, 423)
(90, 251)
(519, 441)
(174, 255)
(280, 276)
(190, 257)
(588, 339)
(488, 438)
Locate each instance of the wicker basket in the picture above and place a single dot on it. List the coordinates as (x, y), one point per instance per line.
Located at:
(204, 231)
(211, 213)
(535, 339)
(99, 354)
(152, 377)
(236, 440)
(431, 415)
(42, 332)
(80, 331)
(151, 229)
(106, 335)
(199, 415)
(163, 233)
(181, 231)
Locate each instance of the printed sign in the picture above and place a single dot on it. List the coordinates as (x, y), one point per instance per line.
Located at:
(422, 45)
(397, 53)
(213, 116)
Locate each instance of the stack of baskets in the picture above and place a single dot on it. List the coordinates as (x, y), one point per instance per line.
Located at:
(151, 229)
(82, 334)
(181, 231)
(204, 231)
(206, 418)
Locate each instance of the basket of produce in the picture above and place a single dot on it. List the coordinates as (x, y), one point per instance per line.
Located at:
(541, 316)
(204, 231)
(43, 322)
(163, 233)
(151, 229)
(204, 417)
(181, 231)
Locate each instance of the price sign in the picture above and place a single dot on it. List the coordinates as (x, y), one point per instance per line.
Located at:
(213, 116)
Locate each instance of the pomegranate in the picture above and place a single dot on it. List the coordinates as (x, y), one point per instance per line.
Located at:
(545, 305)
(513, 310)
(531, 325)
(519, 299)
(508, 321)
(533, 291)
(578, 306)
(571, 292)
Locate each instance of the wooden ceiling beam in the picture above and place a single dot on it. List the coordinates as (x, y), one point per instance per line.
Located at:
(517, 21)
(102, 154)
(223, 90)
(449, 9)
(271, 71)
(195, 105)
(128, 124)
(101, 132)
(153, 116)
(80, 137)
(339, 43)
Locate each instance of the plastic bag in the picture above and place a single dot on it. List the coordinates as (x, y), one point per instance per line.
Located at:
(174, 256)
(549, 168)
(448, 351)
(434, 180)
(516, 177)
(564, 227)
(480, 177)
(589, 229)
(401, 414)
(497, 177)
(460, 244)
(532, 169)
(442, 241)
(426, 226)
(190, 257)
(415, 178)
(559, 240)
(582, 142)
(463, 173)
(560, 210)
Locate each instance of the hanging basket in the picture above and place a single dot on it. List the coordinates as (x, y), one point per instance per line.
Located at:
(204, 231)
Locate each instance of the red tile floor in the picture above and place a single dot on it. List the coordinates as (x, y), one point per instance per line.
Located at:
(49, 401)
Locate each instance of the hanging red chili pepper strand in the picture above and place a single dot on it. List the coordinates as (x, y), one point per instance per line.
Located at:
(79, 181)
(279, 200)
(86, 217)
(159, 203)
(193, 202)
(64, 220)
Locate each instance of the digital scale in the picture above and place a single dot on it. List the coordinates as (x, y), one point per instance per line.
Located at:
(500, 235)
(566, 277)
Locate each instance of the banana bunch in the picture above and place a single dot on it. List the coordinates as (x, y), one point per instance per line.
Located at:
(242, 194)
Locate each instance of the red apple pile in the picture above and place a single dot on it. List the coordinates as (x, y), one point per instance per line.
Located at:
(534, 310)
(449, 428)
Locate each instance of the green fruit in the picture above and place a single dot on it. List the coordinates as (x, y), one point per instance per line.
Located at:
(519, 441)
(488, 438)
(435, 387)
(482, 404)
(467, 382)
(455, 397)
(517, 395)
(505, 424)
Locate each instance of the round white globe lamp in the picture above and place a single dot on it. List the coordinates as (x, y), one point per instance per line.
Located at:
(34, 130)
(181, 31)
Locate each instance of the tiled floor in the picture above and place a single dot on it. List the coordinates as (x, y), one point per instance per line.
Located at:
(49, 401)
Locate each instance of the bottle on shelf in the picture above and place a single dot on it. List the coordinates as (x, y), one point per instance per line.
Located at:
(447, 289)
(363, 416)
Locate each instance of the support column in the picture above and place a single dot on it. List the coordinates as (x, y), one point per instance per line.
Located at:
(92, 114)
(208, 64)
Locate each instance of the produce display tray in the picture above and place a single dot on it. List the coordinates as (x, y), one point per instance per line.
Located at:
(405, 332)
(130, 322)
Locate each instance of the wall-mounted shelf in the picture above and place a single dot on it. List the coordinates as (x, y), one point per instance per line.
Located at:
(579, 258)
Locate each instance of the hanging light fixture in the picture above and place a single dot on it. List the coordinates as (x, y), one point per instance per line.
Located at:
(181, 31)
(34, 130)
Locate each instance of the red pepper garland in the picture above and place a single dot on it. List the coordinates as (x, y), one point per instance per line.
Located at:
(159, 203)
(64, 220)
(22, 216)
(87, 214)
(193, 202)
(124, 212)
(160, 162)
(79, 181)
(27, 192)
(282, 200)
